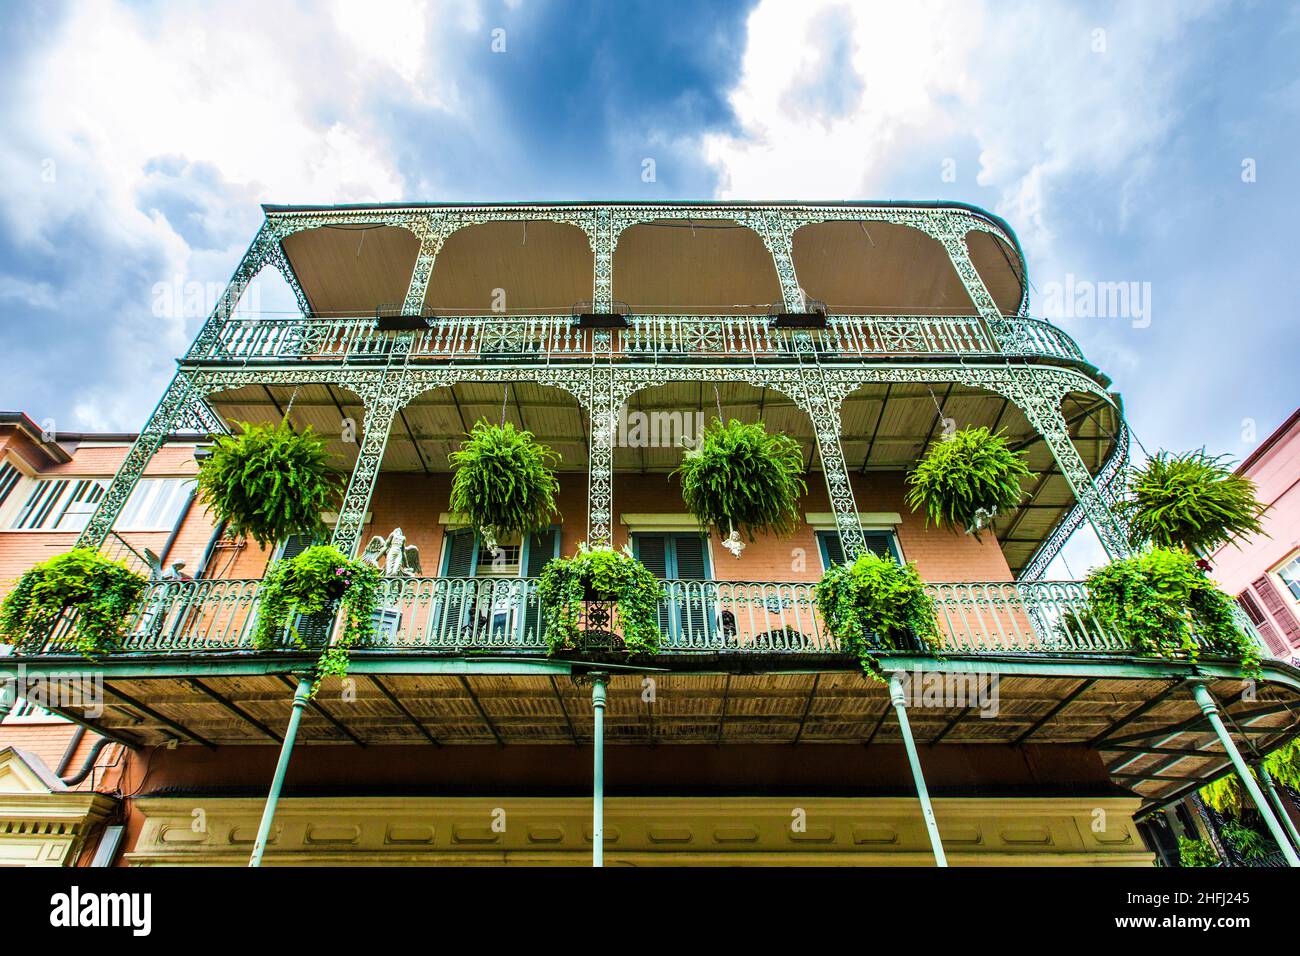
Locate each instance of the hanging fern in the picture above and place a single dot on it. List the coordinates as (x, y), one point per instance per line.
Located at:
(316, 582)
(103, 594)
(567, 585)
(1167, 607)
(1191, 501)
(876, 604)
(505, 481)
(743, 478)
(966, 479)
(269, 482)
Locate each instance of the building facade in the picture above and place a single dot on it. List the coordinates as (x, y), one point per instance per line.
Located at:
(613, 332)
(1263, 571)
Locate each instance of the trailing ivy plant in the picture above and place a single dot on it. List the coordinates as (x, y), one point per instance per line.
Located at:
(967, 479)
(1166, 606)
(1247, 842)
(1192, 501)
(269, 482)
(103, 593)
(317, 581)
(1195, 853)
(742, 478)
(505, 481)
(1227, 795)
(876, 604)
(566, 585)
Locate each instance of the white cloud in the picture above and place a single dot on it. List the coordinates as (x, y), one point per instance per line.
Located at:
(1028, 87)
(242, 103)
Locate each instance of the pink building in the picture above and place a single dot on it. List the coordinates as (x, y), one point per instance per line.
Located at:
(1263, 571)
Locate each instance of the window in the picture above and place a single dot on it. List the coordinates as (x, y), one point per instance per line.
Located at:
(9, 476)
(60, 504)
(155, 504)
(883, 543)
(1290, 575)
(683, 558)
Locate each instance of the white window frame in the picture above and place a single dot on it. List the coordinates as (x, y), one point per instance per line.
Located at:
(175, 500)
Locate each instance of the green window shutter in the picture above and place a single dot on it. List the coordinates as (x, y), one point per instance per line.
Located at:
(692, 561)
(691, 564)
(459, 553)
(540, 548)
(831, 547)
(459, 557)
(295, 545)
(652, 550)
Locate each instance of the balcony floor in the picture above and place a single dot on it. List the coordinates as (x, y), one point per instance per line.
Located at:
(1140, 715)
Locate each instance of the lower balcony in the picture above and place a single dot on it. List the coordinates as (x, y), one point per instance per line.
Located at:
(502, 615)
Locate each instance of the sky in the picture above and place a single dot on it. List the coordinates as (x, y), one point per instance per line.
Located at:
(1151, 144)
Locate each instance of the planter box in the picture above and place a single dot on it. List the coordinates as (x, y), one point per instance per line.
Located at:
(401, 323)
(798, 320)
(602, 320)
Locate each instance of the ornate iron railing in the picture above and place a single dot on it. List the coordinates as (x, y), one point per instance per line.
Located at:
(486, 615)
(646, 337)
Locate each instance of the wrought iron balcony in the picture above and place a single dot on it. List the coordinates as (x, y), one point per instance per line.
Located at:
(646, 338)
(456, 616)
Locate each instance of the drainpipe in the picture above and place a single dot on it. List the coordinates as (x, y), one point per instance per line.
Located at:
(281, 769)
(217, 532)
(598, 682)
(87, 765)
(1278, 806)
(176, 530)
(1211, 710)
(77, 734)
(923, 794)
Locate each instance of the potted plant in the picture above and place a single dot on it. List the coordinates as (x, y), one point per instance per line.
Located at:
(1166, 606)
(268, 482)
(505, 481)
(1191, 501)
(876, 604)
(967, 479)
(314, 584)
(103, 594)
(600, 575)
(743, 480)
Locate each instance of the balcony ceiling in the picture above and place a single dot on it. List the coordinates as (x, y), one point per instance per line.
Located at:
(1154, 737)
(671, 265)
(884, 428)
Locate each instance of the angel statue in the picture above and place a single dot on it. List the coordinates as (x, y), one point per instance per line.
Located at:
(158, 573)
(399, 557)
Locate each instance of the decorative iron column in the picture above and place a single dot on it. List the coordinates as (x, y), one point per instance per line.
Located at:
(899, 700)
(603, 402)
(180, 407)
(1039, 397)
(950, 231)
(300, 697)
(432, 230)
(816, 399)
(1211, 711)
(776, 228)
(383, 399)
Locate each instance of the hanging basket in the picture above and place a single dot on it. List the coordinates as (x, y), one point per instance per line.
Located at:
(505, 481)
(743, 479)
(1191, 501)
(269, 482)
(967, 479)
(600, 599)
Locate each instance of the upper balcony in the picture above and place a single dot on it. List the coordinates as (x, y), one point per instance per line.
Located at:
(657, 283)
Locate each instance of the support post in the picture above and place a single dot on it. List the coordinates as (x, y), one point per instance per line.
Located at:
(824, 411)
(598, 682)
(1276, 799)
(281, 769)
(922, 792)
(1211, 711)
(383, 399)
